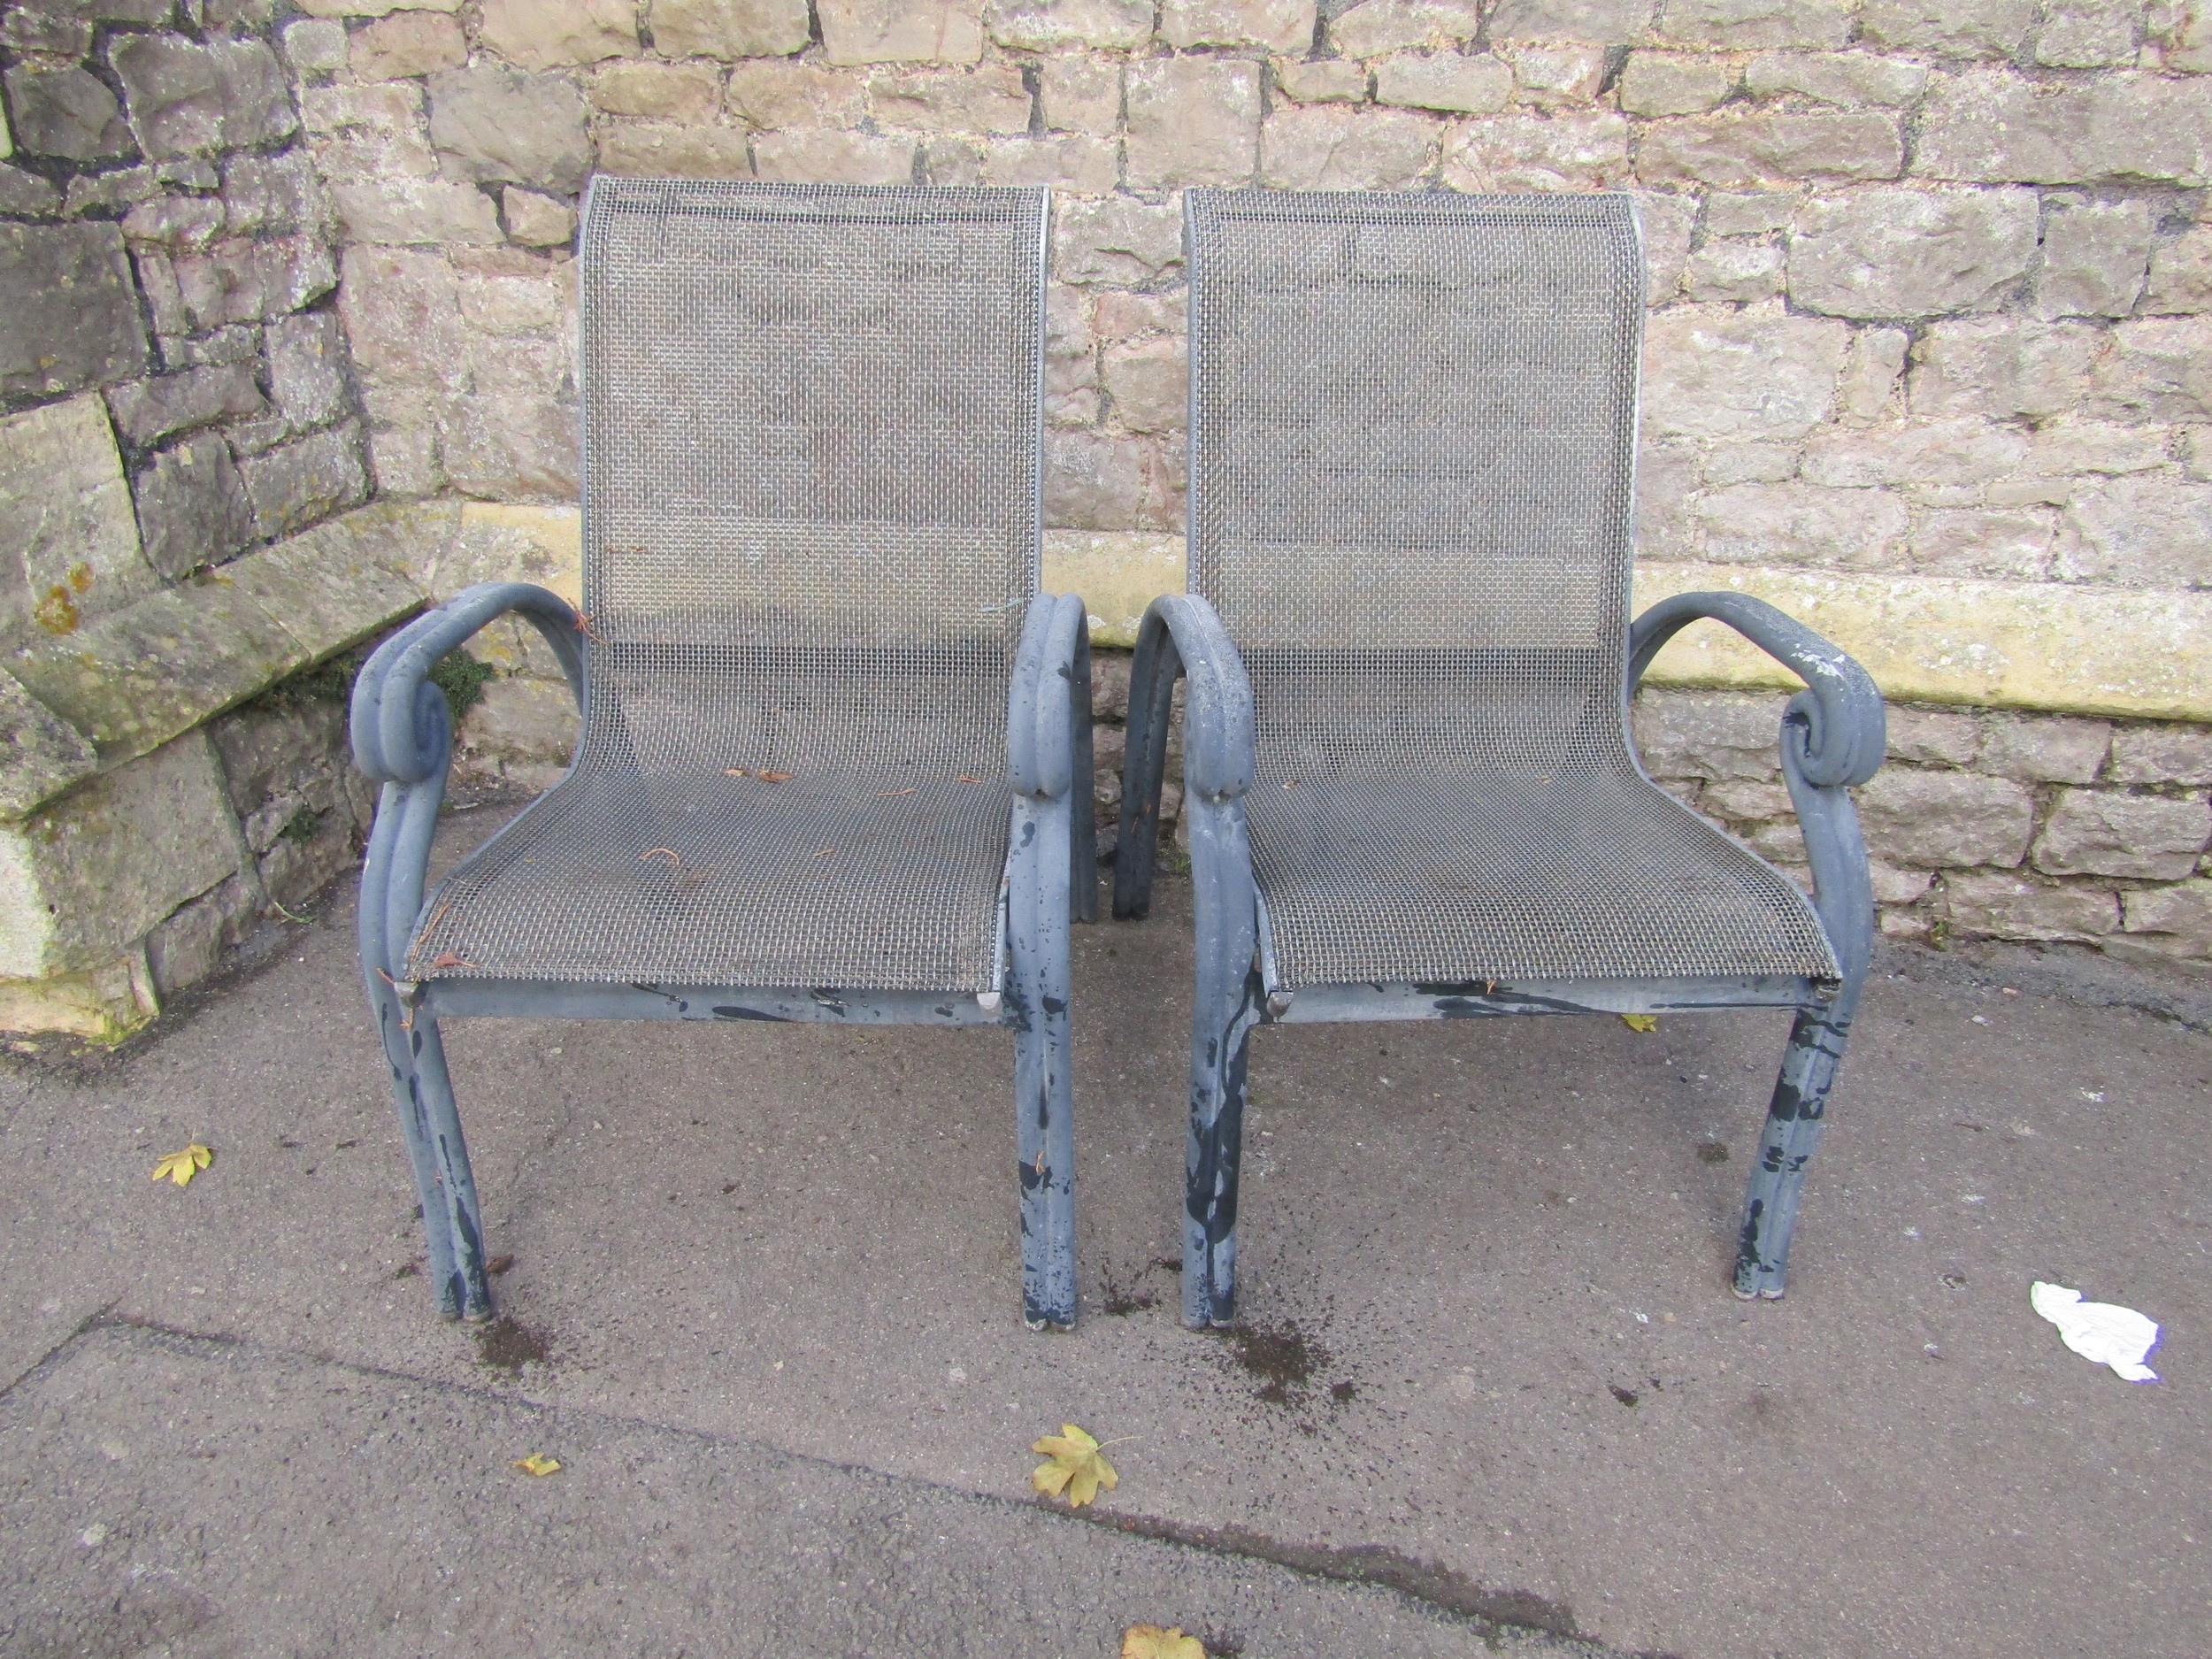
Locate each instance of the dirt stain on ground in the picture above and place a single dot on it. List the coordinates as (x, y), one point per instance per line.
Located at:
(507, 1344)
(1281, 1357)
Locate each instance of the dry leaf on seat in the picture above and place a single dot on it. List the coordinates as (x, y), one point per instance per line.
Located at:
(537, 1464)
(1149, 1641)
(1645, 1023)
(773, 777)
(450, 959)
(1078, 1468)
(180, 1167)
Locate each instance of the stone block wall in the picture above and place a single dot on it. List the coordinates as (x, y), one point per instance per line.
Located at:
(1929, 356)
(177, 413)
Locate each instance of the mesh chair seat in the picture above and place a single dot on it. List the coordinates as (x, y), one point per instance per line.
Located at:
(862, 877)
(1466, 873)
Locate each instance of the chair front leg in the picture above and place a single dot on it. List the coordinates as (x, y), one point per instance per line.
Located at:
(1230, 1000)
(1038, 903)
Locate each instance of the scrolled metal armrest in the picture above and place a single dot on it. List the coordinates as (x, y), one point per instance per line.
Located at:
(1040, 715)
(400, 724)
(1835, 730)
(1181, 633)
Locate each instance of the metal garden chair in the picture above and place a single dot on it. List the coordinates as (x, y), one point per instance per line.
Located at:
(812, 441)
(1410, 790)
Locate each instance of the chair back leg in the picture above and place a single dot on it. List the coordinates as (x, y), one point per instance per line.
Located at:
(1787, 1142)
(1039, 898)
(456, 1184)
(1231, 998)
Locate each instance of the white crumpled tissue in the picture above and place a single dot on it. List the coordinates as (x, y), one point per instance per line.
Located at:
(2099, 1330)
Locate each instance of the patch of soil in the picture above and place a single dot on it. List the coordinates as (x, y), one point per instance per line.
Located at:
(507, 1344)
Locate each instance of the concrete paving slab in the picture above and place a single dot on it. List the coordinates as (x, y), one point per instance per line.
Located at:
(1490, 1348)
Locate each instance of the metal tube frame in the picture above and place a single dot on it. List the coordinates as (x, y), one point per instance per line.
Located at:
(403, 737)
(1832, 739)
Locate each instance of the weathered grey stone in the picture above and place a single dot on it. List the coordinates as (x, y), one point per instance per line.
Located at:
(1798, 522)
(506, 448)
(988, 99)
(315, 46)
(900, 31)
(2013, 542)
(1606, 22)
(1116, 240)
(307, 368)
(93, 870)
(1991, 125)
(1043, 25)
(1750, 214)
(1933, 737)
(193, 942)
(1920, 456)
(1071, 161)
(1668, 223)
(66, 112)
(277, 195)
(1939, 820)
(1750, 463)
(1674, 83)
(2008, 906)
(1849, 78)
(2090, 446)
(1725, 269)
(664, 92)
(497, 126)
(548, 33)
(2181, 273)
(1326, 148)
(1149, 384)
(292, 486)
(1376, 26)
(147, 412)
(187, 99)
(2144, 531)
(662, 150)
(1473, 85)
(1734, 149)
(1666, 475)
(775, 96)
(68, 544)
(1588, 151)
(1740, 375)
(2001, 367)
(1283, 25)
(2184, 33)
(1554, 77)
(234, 344)
(2158, 368)
(2087, 35)
(1707, 734)
(1742, 801)
(1095, 480)
(523, 719)
(174, 221)
(1756, 23)
(1324, 80)
(46, 755)
(51, 33)
(2104, 833)
(411, 210)
(402, 314)
(2044, 749)
(25, 194)
(1191, 120)
(2164, 753)
(1083, 95)
(1950, 28)
(1872, 373)
(367, 134)
(537, 221)
(73, 316)
(241, 282)
(192, 508)
(1071, 359)
(2095, 256)
(834, 157)
(1910, 253)
(2177, 920)
(407, 43)
(730, 28)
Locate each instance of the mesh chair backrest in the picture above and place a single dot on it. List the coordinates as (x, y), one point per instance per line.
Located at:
(1412, 468)
(811, 480)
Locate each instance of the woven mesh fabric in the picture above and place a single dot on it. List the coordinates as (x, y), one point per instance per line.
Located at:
(812, 441)
(1412, 486)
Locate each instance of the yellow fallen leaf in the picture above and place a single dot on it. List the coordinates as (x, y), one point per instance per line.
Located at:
(1078, 1468)
(1645, 1023)
(1149, 1641)
(180, 1167)
(537, 1464)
